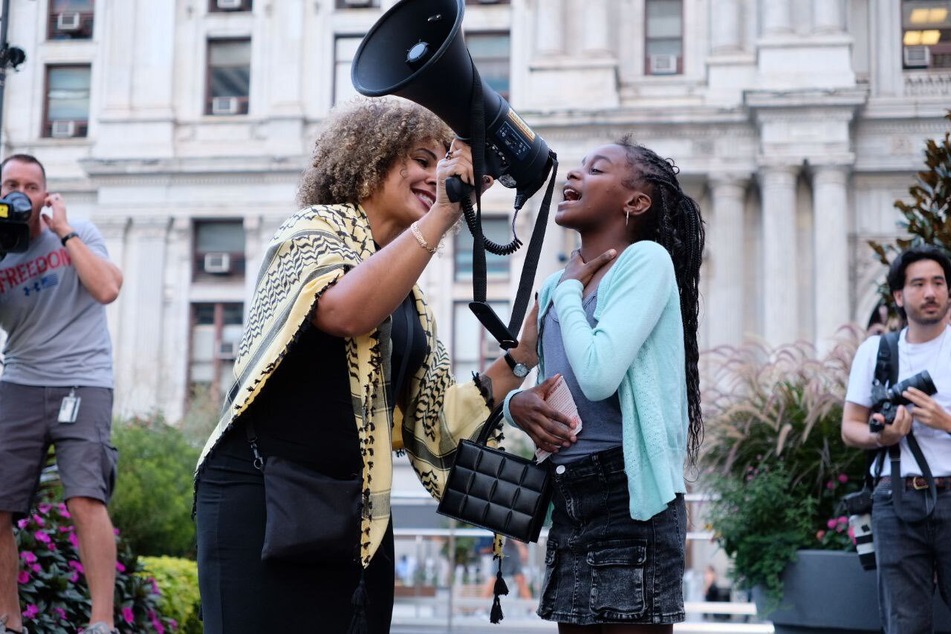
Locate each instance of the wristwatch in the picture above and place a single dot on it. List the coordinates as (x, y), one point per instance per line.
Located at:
(518, 369)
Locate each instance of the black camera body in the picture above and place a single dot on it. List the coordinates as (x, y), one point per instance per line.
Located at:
(885, 400)
(15, 211)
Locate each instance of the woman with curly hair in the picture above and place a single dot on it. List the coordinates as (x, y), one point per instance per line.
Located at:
(619, 323)
(339, 365)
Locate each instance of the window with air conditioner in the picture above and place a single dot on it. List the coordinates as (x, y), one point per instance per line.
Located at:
(664, 41)
(224, 105)
(67, 101)
(62, 129)
(218, 250)
(663, 64)
(926, 34)
(916, 56)
(227, 349)
(71, 21)
(217, 263)
(229, 76)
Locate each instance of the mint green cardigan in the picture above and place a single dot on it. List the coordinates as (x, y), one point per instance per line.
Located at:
(637, 350)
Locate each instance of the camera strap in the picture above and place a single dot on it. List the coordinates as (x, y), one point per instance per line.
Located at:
(885, 370)
(506, 336)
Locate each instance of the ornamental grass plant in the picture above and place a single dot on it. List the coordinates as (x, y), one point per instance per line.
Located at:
(773, 456)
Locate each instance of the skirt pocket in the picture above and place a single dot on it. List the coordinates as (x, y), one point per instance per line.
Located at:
(617, 578)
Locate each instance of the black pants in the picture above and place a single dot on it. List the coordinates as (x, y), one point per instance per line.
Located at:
(242, 595)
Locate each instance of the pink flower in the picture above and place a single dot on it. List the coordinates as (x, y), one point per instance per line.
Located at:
(21, 524)
(23, 577)
(31, 611)
(77, 566)
(36, 568)
(73, 540)
(42, 537)
(61, 613)
(44, 508)
(820, 535)
(127, 614)
(28, 557)
(120, 567)
(831, 524)
(843, 478)
(842, 520)
(830, 485)
(64, 511)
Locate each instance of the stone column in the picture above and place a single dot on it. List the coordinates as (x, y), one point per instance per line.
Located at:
(728, 260)
(779, 279)
(725, 36)
(777, 17)
(176, 311)
(551, 27)
(830, 240)
(827, 16)
(142, 313)
(595, 34)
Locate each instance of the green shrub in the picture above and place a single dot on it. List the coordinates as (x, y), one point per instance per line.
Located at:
(52, 588)
(178, 581)
(153, 498)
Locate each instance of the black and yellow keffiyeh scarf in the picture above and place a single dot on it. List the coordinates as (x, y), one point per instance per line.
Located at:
(311, 251)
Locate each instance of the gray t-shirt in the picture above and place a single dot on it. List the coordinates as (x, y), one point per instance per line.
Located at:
(57, 333)
(601, 419)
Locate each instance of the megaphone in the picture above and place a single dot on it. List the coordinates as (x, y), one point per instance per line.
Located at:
(416, 51)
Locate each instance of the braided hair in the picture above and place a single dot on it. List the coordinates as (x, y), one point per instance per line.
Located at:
(675, 223)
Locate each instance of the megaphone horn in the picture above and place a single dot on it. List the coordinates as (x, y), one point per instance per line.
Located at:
(416, 51)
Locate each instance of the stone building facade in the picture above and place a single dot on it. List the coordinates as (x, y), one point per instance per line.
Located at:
(181, 128)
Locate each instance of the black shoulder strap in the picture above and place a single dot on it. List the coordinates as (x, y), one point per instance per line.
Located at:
(886, 372)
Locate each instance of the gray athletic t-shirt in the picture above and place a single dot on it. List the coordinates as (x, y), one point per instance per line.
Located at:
(57, 333)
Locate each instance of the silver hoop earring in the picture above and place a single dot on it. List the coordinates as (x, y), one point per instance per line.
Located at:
(627, 216)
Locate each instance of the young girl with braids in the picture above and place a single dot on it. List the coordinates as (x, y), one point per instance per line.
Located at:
(620, 324)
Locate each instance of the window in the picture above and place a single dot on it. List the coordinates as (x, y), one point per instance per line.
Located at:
(215, 337)
(664, 43)
(70, 19)
(497, 229)
(229, 77)
(67, 101)
(490, 52)
(219, 250)
(345, 48)
(926, 34)
(474, 348)
(215, 6)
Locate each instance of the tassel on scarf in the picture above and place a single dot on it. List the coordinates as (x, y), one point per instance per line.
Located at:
(495, 616)
(358, 624)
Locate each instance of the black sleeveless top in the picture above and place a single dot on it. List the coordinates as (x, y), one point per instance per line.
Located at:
(305, 413)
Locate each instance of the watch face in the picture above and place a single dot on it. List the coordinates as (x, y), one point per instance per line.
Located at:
(521, 371)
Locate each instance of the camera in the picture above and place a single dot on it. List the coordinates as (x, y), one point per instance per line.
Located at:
(886, 400)
(858, 506)
(15, 211)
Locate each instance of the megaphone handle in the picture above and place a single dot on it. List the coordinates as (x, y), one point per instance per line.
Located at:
(456, 189)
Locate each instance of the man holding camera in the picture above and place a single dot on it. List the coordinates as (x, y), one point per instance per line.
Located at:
(911, 510)
(56, 386)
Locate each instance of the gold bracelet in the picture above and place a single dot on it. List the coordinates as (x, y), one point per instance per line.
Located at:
(420, 239)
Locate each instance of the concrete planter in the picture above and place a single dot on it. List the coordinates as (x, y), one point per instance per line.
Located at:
(828, 591)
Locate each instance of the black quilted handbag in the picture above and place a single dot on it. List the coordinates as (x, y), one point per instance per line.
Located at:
(502, 492)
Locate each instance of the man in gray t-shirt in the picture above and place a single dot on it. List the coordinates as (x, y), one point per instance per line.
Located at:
(56, 385)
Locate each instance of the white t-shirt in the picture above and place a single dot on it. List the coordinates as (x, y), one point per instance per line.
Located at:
(933, 356)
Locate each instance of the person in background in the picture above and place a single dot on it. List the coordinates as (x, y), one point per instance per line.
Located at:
(913, 555)
(339, 365)
(56, 387)
(620, 324)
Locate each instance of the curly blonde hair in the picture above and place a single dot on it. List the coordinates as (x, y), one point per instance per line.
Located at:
(360, 142)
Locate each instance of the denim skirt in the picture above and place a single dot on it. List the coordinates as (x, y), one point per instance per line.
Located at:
(601, 566)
